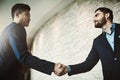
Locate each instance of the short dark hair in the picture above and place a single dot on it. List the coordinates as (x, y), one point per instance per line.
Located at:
(106, 10)
(20, 7)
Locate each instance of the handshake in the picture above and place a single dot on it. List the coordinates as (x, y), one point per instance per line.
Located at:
(60, 69)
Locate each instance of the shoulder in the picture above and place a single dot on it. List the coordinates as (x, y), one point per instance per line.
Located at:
(117, 27)
(117, 24)
(99, 37)
(14, 28)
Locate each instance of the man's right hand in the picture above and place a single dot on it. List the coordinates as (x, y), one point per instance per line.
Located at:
(60, 69)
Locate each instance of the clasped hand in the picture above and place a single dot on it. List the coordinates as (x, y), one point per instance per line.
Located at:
(60, 69)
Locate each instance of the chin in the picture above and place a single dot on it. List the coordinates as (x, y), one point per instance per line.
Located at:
(98, 26)
(26, 25)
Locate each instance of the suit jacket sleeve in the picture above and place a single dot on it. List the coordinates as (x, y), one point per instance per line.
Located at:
(87, 65)
(17, 40)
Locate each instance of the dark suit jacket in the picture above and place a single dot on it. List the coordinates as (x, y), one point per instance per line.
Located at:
(102, 50)
(14, 54)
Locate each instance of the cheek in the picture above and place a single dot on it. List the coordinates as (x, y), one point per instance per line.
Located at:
(27, 19)
(99, 18)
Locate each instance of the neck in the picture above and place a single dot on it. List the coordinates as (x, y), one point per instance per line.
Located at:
(107, 27)
(17, 21)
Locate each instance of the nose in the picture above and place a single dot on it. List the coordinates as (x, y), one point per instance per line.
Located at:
(29, 19)
(94, 19)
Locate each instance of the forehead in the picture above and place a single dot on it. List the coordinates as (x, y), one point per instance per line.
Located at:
(26, 12)
(98, 12)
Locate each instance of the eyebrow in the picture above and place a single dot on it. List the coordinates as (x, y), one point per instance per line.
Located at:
(96, 14)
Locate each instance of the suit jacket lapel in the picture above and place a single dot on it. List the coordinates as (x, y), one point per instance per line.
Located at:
(117, 40)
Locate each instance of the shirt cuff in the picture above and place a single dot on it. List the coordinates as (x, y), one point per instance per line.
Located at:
(69, 68)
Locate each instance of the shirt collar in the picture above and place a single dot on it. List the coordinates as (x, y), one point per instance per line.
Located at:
(112, 29)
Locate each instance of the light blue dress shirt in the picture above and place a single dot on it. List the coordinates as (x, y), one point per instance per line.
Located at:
(110, 37)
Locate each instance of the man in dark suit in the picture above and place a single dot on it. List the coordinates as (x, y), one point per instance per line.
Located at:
(106, 48)
(14, 51)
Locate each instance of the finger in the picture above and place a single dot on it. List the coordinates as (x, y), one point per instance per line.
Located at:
(59, 65)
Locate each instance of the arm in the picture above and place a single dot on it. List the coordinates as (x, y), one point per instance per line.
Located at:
(87, 65)
(17, 40)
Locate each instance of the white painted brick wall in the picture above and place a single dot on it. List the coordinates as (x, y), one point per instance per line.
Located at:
(67, 38)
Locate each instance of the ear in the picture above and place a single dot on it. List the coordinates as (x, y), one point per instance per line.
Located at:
(107, 15)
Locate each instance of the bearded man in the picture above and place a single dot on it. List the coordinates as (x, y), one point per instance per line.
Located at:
(106, 48)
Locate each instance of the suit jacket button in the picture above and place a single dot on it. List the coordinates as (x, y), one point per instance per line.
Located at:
(115, 58)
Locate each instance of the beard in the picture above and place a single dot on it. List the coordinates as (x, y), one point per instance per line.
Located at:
(100, 23)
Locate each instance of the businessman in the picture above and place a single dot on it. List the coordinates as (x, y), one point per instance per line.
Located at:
(14, 51)
(106, 48)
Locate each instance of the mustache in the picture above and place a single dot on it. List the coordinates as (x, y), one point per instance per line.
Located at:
(95, 21)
